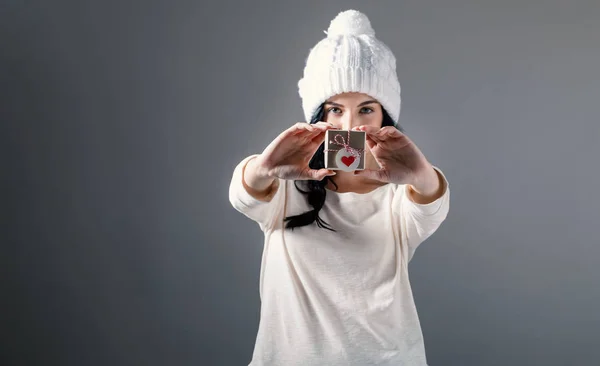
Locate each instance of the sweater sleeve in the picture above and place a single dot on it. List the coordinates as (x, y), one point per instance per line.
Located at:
(265, 213)
(420, 221)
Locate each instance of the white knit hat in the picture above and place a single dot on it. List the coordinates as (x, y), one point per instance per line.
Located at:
(350, 59)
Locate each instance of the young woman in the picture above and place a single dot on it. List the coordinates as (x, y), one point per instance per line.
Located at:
(334, 281)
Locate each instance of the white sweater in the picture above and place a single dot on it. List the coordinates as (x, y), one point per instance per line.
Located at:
(339, 298)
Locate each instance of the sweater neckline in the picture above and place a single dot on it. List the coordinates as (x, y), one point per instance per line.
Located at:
(353, 195)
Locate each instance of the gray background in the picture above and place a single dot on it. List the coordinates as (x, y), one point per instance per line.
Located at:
(123, 120)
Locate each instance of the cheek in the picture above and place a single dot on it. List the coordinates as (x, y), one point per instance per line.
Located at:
(330, 117)
(373, 119)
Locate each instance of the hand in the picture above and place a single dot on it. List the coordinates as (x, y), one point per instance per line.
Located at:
(400, 160)
(288, 156)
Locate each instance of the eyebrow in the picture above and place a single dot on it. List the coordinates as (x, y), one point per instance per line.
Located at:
(360, 105)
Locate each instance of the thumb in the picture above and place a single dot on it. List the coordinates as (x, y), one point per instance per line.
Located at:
(313, 174)
(369, 173)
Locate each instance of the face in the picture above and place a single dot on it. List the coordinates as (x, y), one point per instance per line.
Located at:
(348, 110)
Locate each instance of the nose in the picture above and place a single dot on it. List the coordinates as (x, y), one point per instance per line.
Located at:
(347, 121)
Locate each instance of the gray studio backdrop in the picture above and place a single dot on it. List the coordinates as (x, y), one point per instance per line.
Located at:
(121, 123)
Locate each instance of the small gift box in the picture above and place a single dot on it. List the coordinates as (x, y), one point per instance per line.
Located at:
(344, 150)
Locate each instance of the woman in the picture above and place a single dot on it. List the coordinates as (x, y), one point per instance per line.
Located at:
(334, 282)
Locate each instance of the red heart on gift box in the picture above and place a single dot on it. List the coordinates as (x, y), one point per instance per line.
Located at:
(348, 160)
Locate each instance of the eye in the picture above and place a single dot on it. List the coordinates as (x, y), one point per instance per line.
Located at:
(367, 109)
(332, 109)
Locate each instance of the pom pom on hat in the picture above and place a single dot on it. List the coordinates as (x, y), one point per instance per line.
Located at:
(350, 23)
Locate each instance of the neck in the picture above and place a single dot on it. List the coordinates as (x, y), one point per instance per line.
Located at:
(348, 182)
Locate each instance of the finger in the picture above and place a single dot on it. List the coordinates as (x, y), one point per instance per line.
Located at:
(370, 173)
(306, 134)
(382, 132)
(389, 143)
(315, 137)
(301, 127)
(314, 144)
(375, 150)
(336, 126)
(394, 143)
(321, 129)
(316, 174)
(371, 144)
(370, 130)
(375, 138)
(389, 132)
(326, 125)
(320, 137)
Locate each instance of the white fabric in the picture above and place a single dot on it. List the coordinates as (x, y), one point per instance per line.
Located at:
(339, 298)
(350, 59)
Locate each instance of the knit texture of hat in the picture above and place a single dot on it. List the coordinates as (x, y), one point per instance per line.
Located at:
(350, 59)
